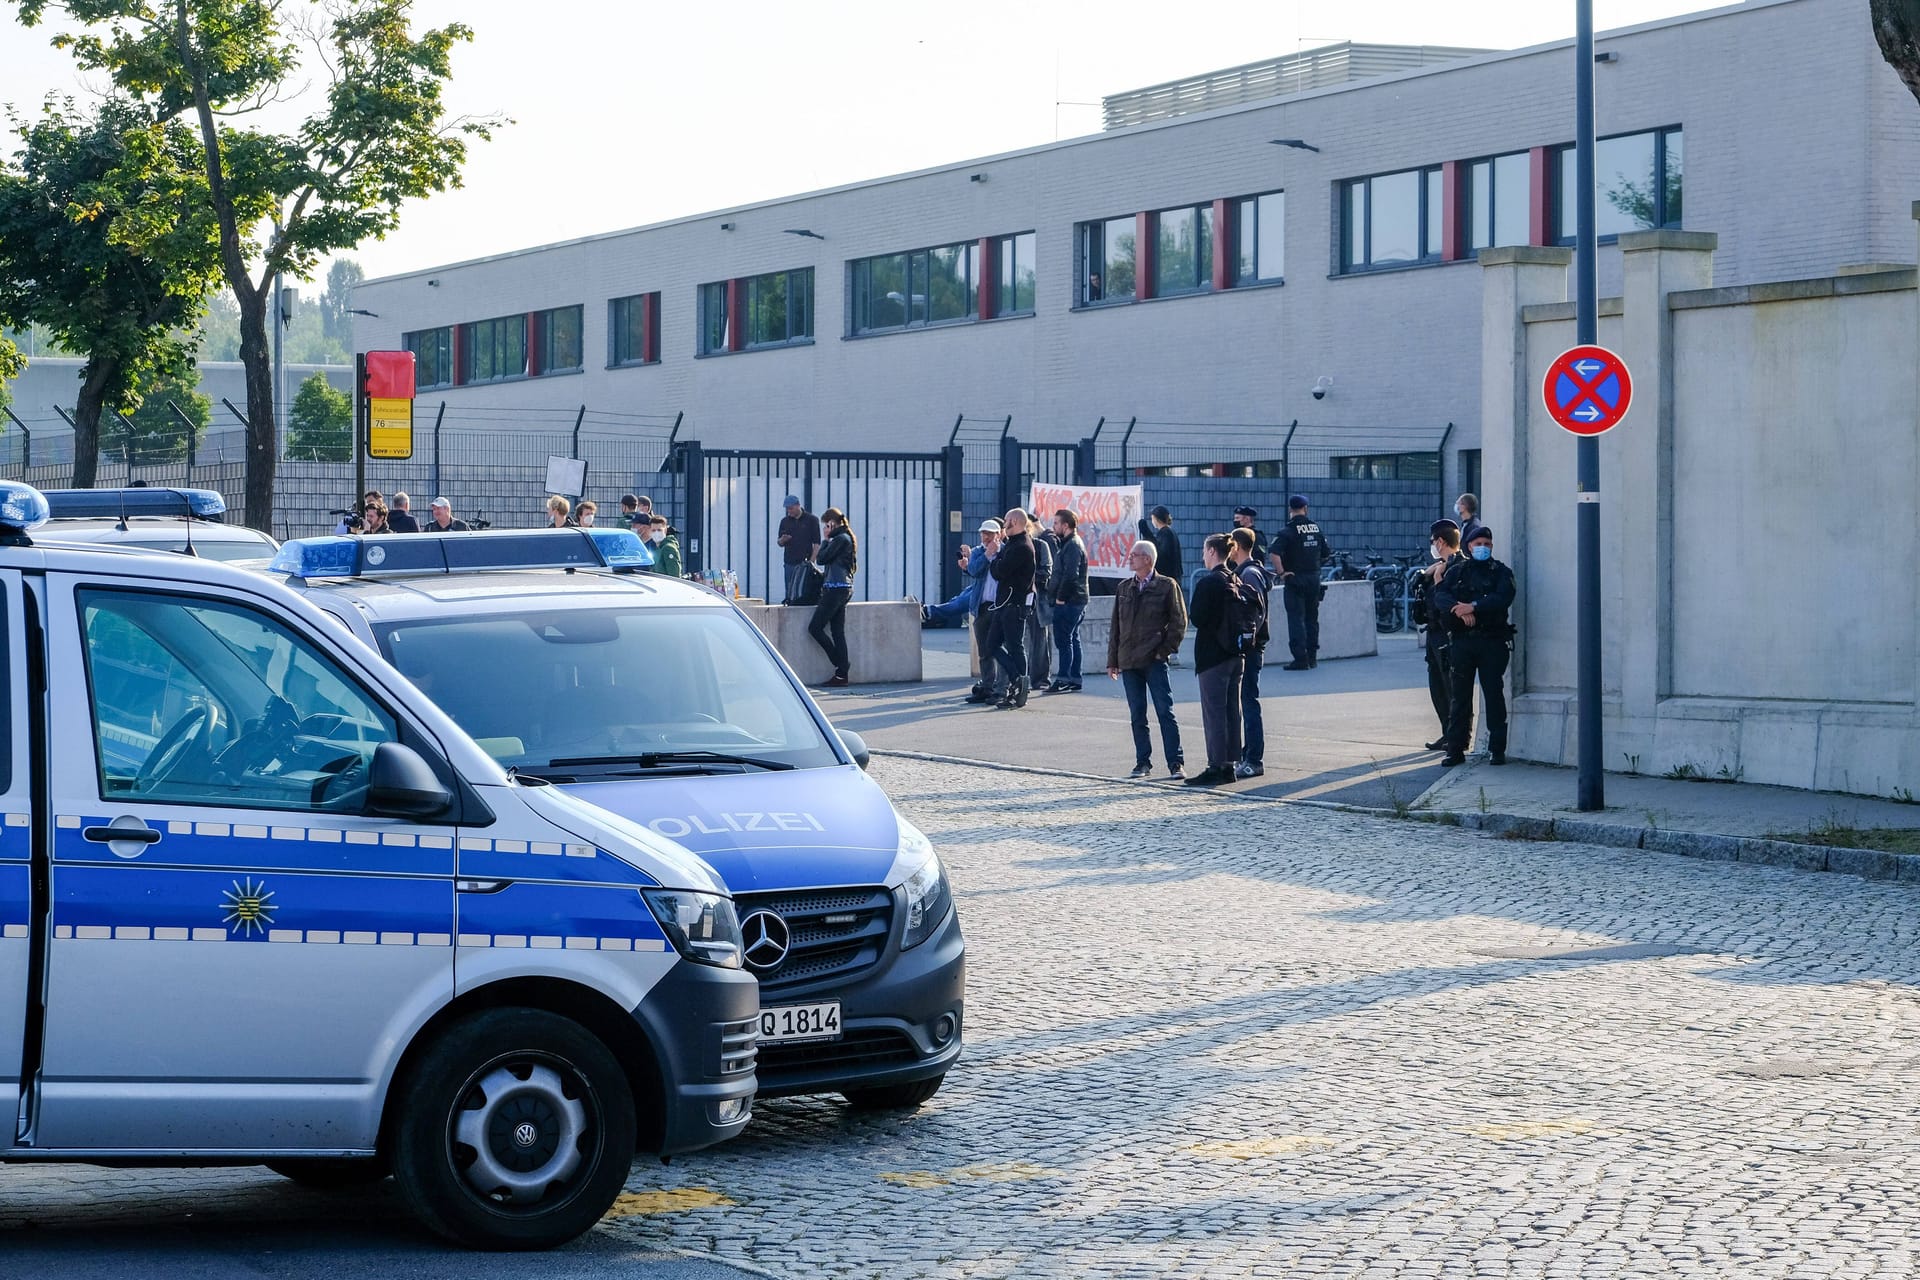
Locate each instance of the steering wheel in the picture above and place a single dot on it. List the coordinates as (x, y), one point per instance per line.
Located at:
(192, 731)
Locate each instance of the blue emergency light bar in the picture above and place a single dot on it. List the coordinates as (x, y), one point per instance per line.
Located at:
(23, 507)
(117, 504)
(385, 556)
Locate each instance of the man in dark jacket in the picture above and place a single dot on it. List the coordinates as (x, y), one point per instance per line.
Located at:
(986, 595)
(401, 518)
(1247, 518)
(1243, 555)
(1217, 667)
(1477, 592)
(1444, 548)
(1040, 622)
(1067, 588)
(1149, 622)
(1298, 554)
(1467, 507)
(1167, 543)
(800, 540)
(1012, 571)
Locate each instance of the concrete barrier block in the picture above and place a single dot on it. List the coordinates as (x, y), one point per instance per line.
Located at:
(883, 641)
(1346, 622)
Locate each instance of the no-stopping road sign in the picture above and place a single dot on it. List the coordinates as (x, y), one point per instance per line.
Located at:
(1587, 390)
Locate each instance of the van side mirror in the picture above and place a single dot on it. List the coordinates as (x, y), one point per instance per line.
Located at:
(402, 785)
(856, 747)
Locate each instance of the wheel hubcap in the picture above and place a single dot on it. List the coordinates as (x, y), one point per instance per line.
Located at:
(520, 1127)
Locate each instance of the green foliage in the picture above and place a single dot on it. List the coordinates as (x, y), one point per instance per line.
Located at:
(152, 433)
(1896, 27)
(336, 320)
(307, 342)
(320, 426)
(106, 246)
(11, 363)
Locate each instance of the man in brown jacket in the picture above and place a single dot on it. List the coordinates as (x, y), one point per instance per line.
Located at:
(1149, 622)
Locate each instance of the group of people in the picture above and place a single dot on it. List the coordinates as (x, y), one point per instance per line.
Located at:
(376, 515)
(1229, 613)
(1028, 582)
(637, 514)
(1463, 602)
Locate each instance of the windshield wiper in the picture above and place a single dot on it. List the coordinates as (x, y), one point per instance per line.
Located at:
(655, 759)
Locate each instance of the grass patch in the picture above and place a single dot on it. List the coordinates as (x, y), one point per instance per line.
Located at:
(1837, 833)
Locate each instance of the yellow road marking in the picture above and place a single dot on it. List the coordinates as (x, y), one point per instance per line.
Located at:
(633, 1204)
(1250, 1148)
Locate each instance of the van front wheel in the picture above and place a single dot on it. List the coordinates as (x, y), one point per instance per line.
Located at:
(515, 1131)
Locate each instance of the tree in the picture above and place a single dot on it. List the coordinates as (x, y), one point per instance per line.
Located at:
(382, 136)
(320, 426)
(152, 433)
(11, 364)
(1896, 25)
(337, 303)
(106, 242)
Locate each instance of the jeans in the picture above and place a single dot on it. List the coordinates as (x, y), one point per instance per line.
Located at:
(1253, 728)
(1007, 640)
(829, 626)
(1141, 681)
(951, 613)
(1066, 640)
(1303, 619)
(1220, 712)
(1485, 657)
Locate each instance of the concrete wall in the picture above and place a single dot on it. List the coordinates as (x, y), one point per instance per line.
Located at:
(1798, 172)
(1760, 518)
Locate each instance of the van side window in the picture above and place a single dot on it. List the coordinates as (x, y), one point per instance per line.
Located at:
(198, 701)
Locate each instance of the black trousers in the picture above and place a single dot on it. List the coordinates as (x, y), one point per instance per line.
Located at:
(1439, 681)
(829, 625)
(1484, 658)
(1220, 712)
(1303, 619)
(1007, 641)
(991, 677)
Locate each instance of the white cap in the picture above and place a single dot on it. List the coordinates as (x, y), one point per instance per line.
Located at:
(989, 526)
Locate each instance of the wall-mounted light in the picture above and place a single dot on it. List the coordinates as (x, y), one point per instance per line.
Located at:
(1608, 56)
(433, 284)
(801, 231)
(976, 177)
(726, 226)
(1298, 144)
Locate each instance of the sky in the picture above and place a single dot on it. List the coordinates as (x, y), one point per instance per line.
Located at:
(628, 113)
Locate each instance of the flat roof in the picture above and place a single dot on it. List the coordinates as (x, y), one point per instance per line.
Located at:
(1105, 136)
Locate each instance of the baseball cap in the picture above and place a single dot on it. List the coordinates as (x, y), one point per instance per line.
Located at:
(1480, 532)
(989, 526)
(792, 501)
(1248, 512)
(1297, 500)
(441, 502)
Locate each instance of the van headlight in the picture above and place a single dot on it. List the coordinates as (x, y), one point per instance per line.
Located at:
(701, 926)
(926, 895)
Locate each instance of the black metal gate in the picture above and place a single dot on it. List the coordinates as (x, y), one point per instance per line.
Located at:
(1024, 465)
(903, 507)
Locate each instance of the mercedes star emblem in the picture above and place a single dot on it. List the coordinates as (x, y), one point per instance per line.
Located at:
(767, 940)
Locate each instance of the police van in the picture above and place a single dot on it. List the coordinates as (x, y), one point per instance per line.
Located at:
(658, 699)
(187, 522)
(261, 902)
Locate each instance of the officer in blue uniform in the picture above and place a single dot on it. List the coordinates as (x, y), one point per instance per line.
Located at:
(1475, 594)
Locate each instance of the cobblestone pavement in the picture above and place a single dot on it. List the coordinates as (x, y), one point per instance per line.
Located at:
(1212, 1037)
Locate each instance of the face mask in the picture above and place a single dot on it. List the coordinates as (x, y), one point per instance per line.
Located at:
(1437, 551)
(1483, 552)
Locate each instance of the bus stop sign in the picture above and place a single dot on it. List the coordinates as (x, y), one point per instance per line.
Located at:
(1588, 390)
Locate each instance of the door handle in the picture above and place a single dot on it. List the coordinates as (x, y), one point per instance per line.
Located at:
(113, 835)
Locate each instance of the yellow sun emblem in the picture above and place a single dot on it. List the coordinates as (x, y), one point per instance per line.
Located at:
(249, 906)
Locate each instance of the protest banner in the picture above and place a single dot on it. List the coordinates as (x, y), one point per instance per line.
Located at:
(1109, 521)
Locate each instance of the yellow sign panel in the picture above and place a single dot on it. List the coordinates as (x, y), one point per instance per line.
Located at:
(389, 428)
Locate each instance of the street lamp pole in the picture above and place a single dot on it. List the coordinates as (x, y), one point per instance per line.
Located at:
(1591, 786)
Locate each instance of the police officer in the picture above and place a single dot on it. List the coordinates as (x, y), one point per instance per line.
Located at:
(1477, 592)
(1298, 554)
(1244, 518)
(1444, 547)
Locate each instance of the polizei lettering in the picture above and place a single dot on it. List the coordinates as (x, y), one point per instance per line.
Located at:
(715, 824)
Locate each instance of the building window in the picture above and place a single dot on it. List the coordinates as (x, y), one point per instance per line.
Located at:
(495, 349)
(1107, 261)
(1496, 201)
(779, 308)
(1016, 273)
(559, 331)
(1636, 184)
(1259, 224)
(1183, 250)
(629, 339)
(432, 357)
(1392, 220)
(714, 321)
(912, 290)
(1387, 466)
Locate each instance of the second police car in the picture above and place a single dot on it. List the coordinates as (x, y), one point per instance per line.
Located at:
(262, 902)
(659, 700)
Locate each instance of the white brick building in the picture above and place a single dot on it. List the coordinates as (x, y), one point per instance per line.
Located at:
(1801, 150)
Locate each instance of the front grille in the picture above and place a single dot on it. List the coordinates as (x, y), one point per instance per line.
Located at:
(737, 1046)
(870, 1047)
(833, 934)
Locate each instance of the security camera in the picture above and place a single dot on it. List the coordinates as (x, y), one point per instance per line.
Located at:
(1321, 386)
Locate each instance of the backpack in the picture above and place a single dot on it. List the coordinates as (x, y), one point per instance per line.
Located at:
(1239, 627)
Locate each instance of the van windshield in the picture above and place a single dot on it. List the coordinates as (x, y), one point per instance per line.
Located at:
(609, 689)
